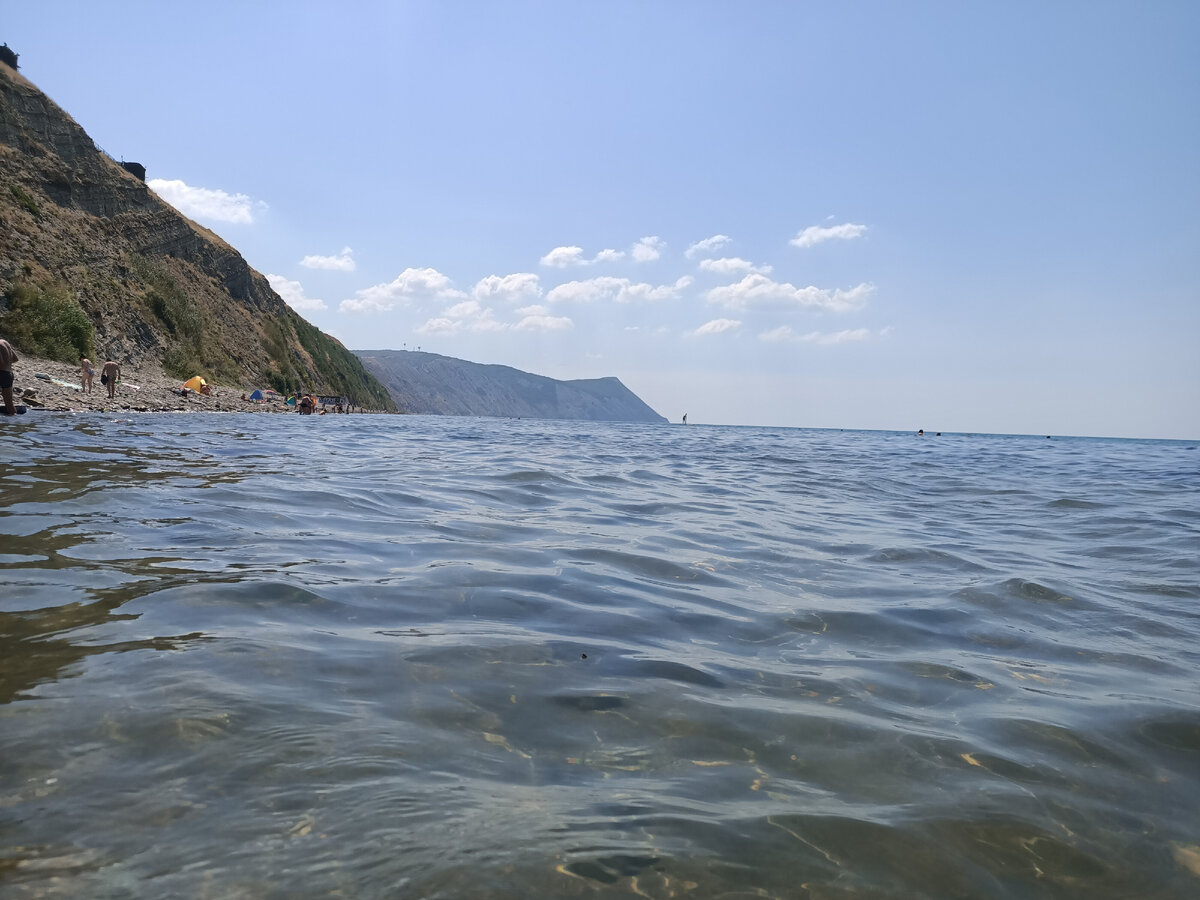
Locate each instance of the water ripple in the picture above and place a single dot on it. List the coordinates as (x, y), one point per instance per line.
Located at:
(410, 656)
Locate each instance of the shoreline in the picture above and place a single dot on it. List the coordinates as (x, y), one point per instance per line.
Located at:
(141, 389)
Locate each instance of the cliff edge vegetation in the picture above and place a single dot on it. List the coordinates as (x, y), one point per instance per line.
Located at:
(93, 262)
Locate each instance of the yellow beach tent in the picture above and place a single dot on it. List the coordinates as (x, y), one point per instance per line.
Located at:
(195, 383)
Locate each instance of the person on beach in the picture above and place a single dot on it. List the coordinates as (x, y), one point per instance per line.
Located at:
(8, 356)
(109, 375)
(87, 372)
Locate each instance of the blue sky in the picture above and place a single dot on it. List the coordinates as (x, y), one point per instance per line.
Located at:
(956, 216)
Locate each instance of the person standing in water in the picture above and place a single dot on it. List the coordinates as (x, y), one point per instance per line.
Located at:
(8, 356)
(685, 418)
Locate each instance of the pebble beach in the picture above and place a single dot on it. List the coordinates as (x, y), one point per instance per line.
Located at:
(146, 389)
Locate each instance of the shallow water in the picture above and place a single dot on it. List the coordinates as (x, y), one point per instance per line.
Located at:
(381, 657)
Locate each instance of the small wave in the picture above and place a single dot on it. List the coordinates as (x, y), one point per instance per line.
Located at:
(648, 566)
(1177, 732)
(1023, 591)
(918, 556)
(532, 476)
(1070, 503)
(591, 702)
(634, 667)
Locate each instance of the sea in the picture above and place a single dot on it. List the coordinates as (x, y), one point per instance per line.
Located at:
(432, 657)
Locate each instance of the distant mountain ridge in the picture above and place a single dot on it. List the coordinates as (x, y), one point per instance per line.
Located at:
(432, 384)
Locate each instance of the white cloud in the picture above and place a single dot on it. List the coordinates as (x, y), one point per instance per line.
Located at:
(410, 285)
(468, 309)
(513, 288)
(731, 264)
(341, 262)
(439, 326)
(469, 315)
(543, 322)
(844, 337)
(717, 326)
(562, 257)
(707, 245)
(292, 293)
(565, 257)
(648, 249)
(785, 335)
(206, 203)
(617, 290)
(603, 288)
(816, 234)
(757, 290)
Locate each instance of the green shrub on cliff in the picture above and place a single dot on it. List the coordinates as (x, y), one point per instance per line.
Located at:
(181, 318)
(179, 363)
(189, 348)
(47, 320)
(170, 305)
(26, 201)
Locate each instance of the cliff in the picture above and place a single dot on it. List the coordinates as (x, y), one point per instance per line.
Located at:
(440, 385)
(92, 260)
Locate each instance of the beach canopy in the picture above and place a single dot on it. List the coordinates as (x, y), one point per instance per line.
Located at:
(257, 395)
(195, 383)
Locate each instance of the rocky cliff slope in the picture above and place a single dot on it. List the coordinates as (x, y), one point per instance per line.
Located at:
(440, 385)
(91, 260)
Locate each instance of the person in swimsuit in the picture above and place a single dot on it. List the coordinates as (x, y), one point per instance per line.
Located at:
(109, 375)
(8, 356)
(86, 373)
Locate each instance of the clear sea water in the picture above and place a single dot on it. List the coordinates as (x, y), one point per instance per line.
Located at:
(417, 657)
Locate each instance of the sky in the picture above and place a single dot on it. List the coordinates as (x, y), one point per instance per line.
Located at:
(956, 216)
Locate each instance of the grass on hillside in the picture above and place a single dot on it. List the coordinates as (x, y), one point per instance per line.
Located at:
(45, 319)
(188, 353)
(25, 200)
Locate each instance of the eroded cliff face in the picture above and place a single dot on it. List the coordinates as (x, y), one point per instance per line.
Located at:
(156, 286)
(73, 172)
